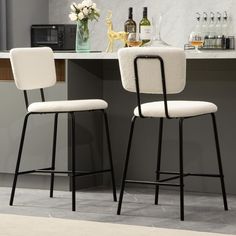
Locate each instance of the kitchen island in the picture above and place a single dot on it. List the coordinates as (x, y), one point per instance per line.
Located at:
(211, 76)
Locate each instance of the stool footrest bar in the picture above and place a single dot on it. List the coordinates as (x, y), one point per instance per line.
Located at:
(33, 171)
(205, 175)
(49, 171)
(93, 172)
(189, 174)
(151, 183)
(171, 178)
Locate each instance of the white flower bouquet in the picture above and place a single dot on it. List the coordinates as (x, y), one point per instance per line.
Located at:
(82, 13)
(86, 10)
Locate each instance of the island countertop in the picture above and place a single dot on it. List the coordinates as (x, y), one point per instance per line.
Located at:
(190, 54)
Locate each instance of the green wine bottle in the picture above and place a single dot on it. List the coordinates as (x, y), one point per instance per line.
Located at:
(145, 29)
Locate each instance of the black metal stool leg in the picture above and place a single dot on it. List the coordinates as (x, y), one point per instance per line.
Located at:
(18, 159)
(110, 156)
(53, 153)
(181, 169)
(126, 165)
(73, 160)
(158, 159)
(219, 161)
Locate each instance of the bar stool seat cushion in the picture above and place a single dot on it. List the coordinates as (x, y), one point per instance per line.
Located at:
(176, 109)
(67, 106)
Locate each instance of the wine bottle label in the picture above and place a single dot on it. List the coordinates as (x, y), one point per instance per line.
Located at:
(130, 28)
(145, 32)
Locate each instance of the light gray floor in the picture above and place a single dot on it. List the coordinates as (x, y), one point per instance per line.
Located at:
(202, 212)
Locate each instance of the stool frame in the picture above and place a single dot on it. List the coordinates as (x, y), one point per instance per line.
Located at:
(51, 170)
(177, 175)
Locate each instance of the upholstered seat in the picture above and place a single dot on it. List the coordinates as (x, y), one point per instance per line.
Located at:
(67, 106)
(176, 109)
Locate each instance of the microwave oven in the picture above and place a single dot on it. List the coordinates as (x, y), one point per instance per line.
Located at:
(57, 37)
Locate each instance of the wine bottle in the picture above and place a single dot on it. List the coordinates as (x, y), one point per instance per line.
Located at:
(145, 28)
(130, 25)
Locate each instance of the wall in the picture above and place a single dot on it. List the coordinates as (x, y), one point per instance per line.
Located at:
(3, 39)
(178, 16)
(21, 14)
(37, 151)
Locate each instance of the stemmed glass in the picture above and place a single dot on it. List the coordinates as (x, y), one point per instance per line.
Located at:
(134, 40)
(196, 39)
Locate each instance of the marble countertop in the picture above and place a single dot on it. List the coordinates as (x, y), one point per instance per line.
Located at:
(211, 54)
(190, 54)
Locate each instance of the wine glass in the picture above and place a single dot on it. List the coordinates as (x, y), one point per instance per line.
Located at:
(134, 40)
(196, 39)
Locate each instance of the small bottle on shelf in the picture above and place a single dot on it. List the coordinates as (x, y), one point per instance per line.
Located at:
(145, 29)
(225, 31)
(225, 24)
(204, 27)
(218, 25)
(198, 26)
(218, 31)
(211, 41)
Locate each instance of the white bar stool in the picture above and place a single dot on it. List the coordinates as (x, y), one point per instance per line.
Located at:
(163, 71)
(34, 68)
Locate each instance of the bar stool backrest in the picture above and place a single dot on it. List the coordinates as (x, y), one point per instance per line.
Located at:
(33, 68)
(150, 66)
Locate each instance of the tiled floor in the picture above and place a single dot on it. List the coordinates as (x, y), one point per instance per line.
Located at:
(202, 212)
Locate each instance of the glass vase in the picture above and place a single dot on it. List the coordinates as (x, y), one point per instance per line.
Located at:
(82, 37)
